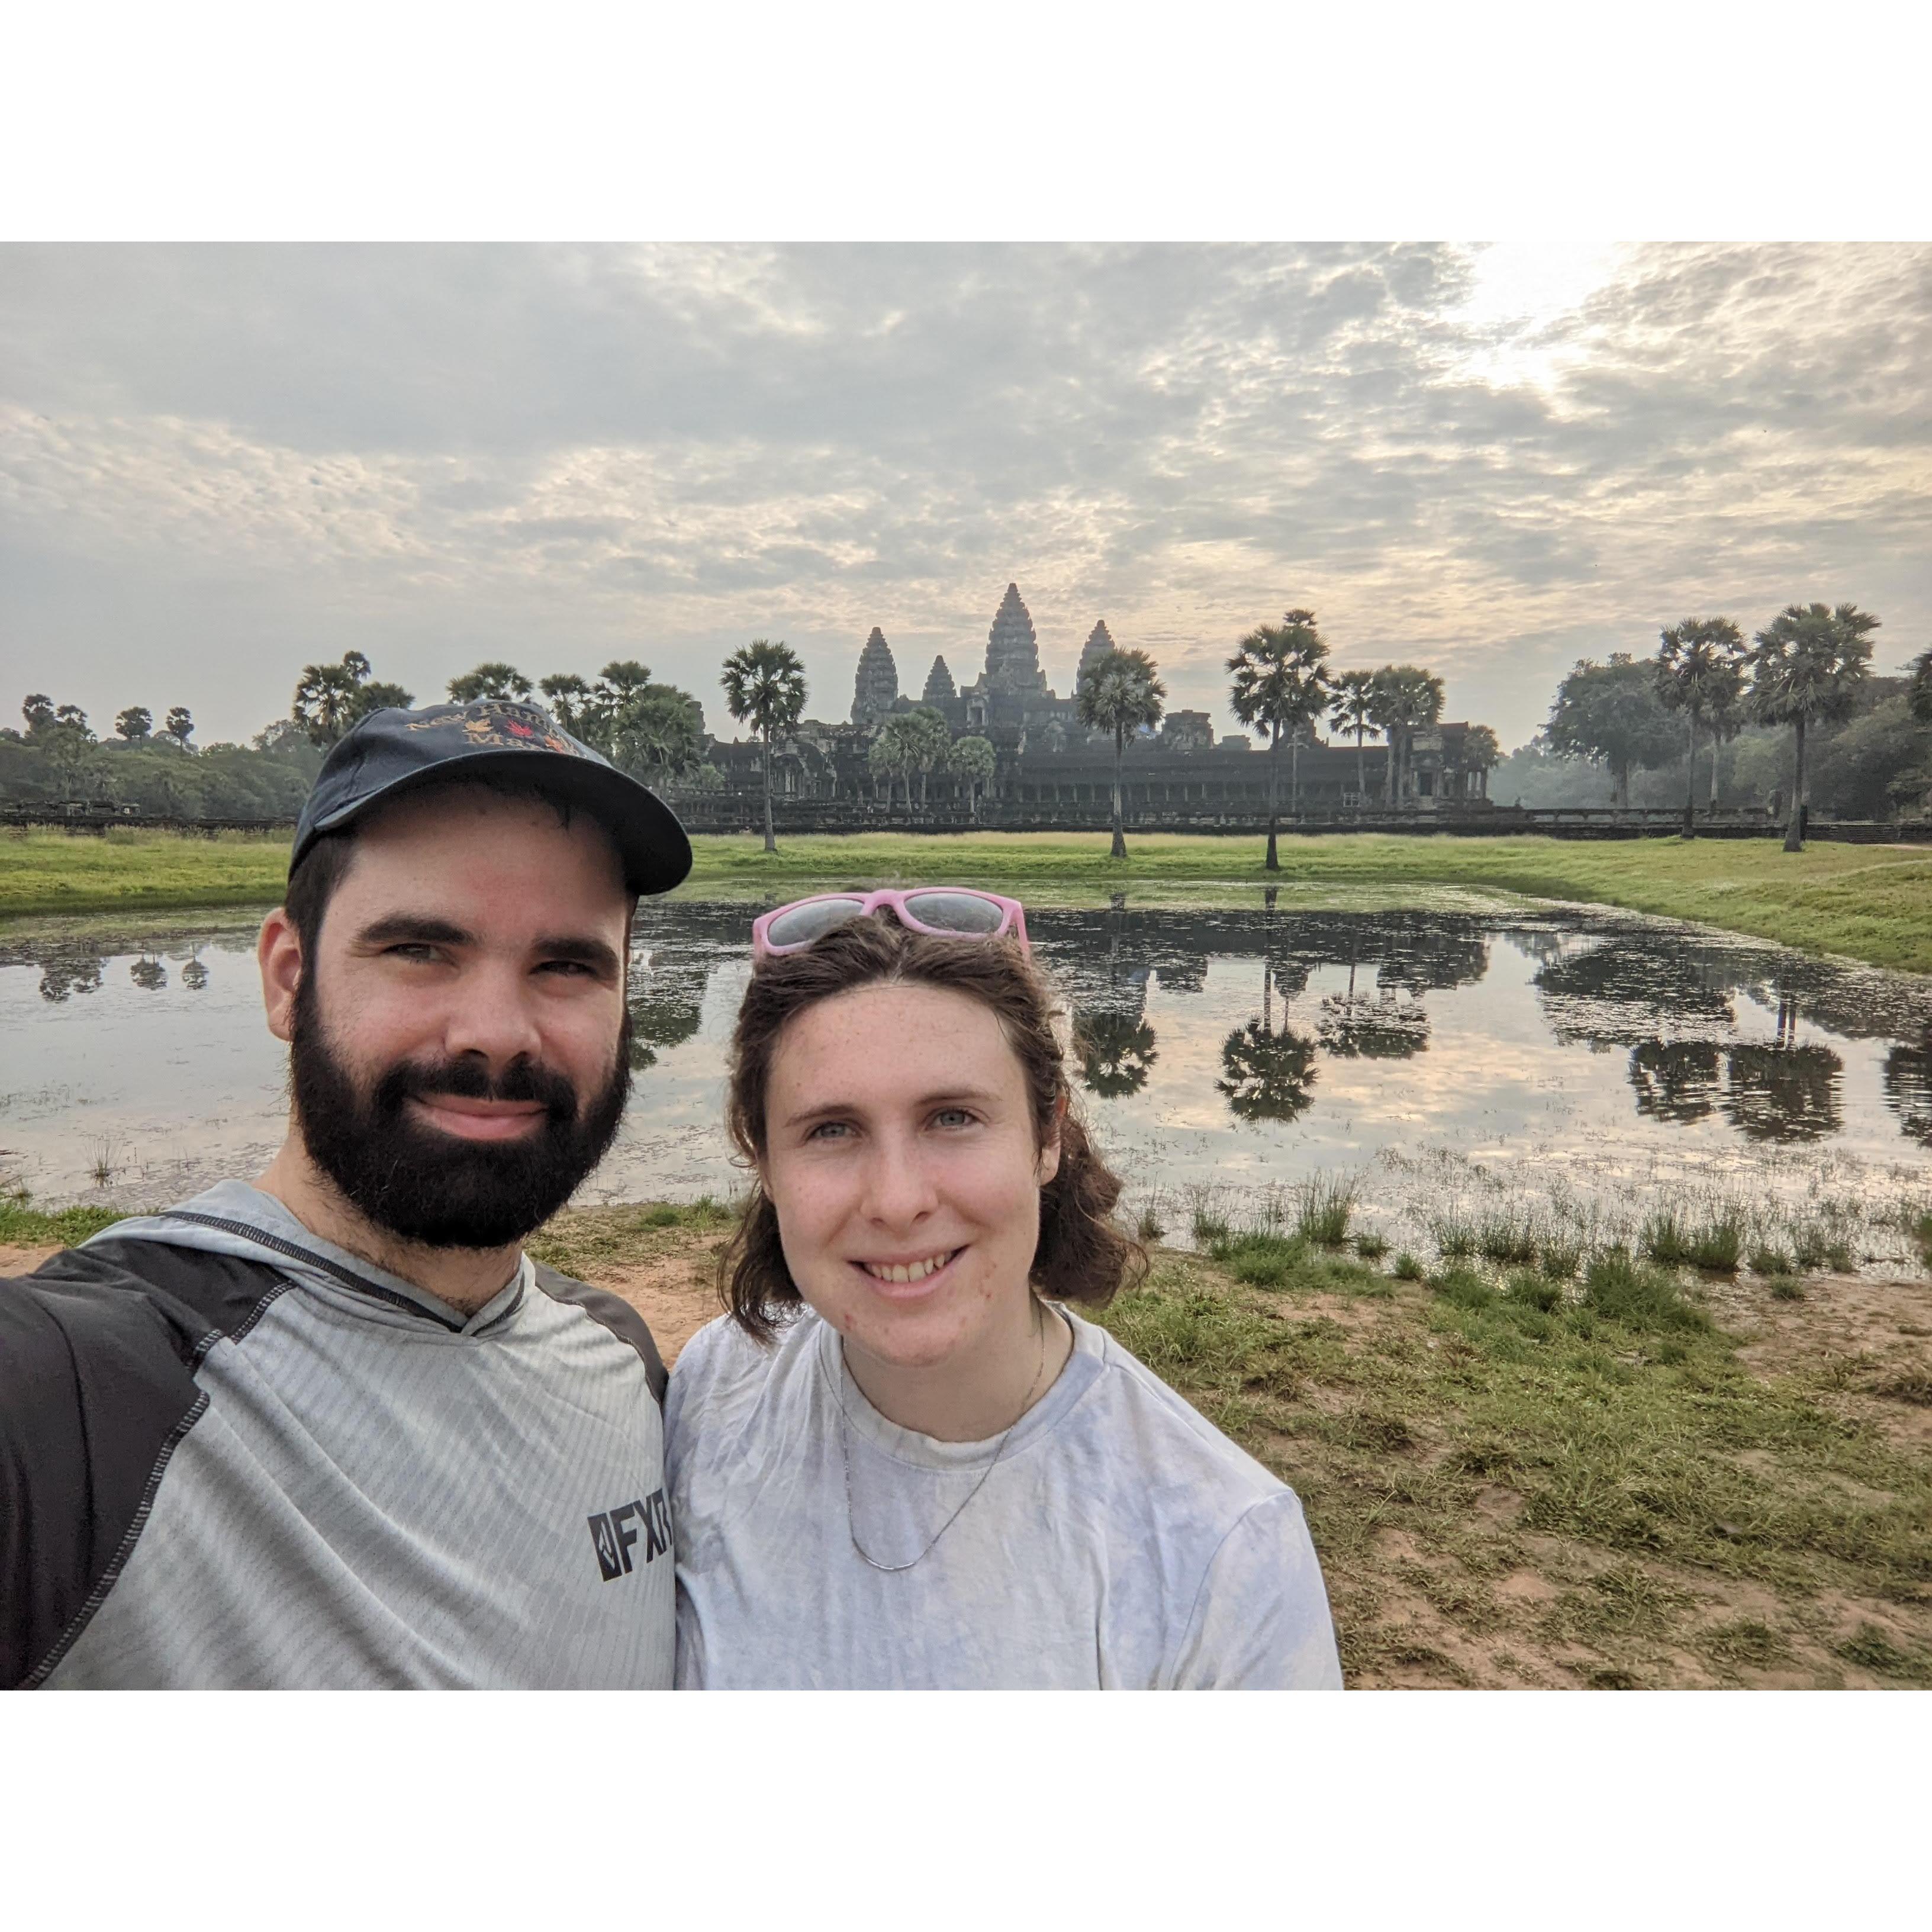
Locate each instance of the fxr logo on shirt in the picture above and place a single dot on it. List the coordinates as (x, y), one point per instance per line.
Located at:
(615, 1534)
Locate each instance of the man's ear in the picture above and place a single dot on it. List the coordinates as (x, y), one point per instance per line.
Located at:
(278, 953)
(1049, 1163)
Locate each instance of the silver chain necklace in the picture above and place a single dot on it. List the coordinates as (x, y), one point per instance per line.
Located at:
(845, 1455)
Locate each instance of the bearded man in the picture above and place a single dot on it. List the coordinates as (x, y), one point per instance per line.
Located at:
(334, 1428)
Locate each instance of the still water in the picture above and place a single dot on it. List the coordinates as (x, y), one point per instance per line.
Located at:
(1567, 1061)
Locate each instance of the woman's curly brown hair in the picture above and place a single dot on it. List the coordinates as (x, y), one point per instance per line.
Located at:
(1082, 1256)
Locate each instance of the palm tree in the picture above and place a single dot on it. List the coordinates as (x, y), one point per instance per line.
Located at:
(1267, 1076)
(1480, 750)
(329, 699)
(494, 679)
(974, 759)
(1280, 685)
(1700, 671)
(1808, 663)
(567, 695)
(1354, 710)
(1119, 693)
(1116, 1051)
(1406, 699)
(764, 687)
(928, 740)
(891, 755)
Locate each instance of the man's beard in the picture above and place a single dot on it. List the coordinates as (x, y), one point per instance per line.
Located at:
(426, 1185)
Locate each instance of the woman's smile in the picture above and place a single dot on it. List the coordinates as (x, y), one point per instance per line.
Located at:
(903, 1281)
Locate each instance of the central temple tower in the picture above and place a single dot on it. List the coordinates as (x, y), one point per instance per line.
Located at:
(1013, 651)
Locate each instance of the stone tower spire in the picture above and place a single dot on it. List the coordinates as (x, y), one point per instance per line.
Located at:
(1013, 651)
(876, 688)
(1100, 642)
(940, 690)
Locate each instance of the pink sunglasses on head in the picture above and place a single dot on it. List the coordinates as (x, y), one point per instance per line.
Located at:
(946, 912)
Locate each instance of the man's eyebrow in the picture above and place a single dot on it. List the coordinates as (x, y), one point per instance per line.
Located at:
(581, 950)
(950, 1096)
(408, 929)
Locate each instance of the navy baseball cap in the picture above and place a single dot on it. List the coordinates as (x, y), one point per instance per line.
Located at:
(392, 751)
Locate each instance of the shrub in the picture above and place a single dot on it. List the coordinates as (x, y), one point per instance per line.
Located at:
(1786, 1288)
(1406, 1268)
(1769, 1260)
(1371, 1247)
(1147, 1227)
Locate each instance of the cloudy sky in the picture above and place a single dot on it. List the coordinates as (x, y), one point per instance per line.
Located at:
(217, 464)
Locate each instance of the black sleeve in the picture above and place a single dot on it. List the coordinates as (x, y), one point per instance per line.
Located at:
(613, 1313)
(97, 1387)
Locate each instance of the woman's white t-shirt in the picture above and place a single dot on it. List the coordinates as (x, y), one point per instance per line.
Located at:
(1121, 1543)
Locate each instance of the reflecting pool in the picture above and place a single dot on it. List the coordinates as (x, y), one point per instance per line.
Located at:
(1576, 1062)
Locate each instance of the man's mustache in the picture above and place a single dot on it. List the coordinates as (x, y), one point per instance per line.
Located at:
(465, 1078)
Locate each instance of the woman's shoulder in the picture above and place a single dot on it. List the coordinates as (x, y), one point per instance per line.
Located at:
(722, 1367)
(1163, 1432)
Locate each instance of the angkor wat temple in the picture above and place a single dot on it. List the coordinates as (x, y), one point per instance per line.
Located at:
(1050, 767)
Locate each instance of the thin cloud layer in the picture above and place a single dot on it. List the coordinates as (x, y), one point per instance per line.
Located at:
(216, 463)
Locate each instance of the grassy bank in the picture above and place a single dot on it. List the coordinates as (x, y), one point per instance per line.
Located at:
(1866, 902)
(1637, 1477)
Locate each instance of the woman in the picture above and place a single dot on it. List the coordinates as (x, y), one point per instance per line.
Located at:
(900, 1461)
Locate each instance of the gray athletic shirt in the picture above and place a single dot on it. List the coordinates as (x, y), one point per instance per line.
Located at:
(362, 1487)
(1120, 1542)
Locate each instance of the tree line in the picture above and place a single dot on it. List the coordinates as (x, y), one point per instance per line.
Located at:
(1807, 668)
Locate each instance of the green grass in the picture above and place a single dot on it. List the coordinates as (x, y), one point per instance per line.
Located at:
(1872, 903)
(583, 1239)
(1323, 1210)
(1607, 1439)
(23, 1225)
(1713, 1243)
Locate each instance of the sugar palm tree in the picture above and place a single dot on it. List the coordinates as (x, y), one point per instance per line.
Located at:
(974, 759)
(890, 754)
(1279, 685)
(1119, 692)
(928, 739)
(493, 679)
(1700, 671)
(1407, 699)
(764, 687)
(1352, 710)
(1808, 663)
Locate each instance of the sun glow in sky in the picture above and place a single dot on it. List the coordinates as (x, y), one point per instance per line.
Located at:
(217, 464)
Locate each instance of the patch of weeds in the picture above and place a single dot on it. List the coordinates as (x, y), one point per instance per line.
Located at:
(1917, 1222)
(1323, 1210)
(1911, 1385)
(1455, 1239)
(1869, 1649)
(23, 1225)
(1786, 1288)
(1148, 1227)
(706, 1212)
(1210, 1227)
(1746, 1640)
(1462, 1288)
(1371, 1247)
(1533, 1290)
(1674, 1240)
(1613, 1678)
(1261, 1260)
(1814, 1246)
(1559, 1260)
(1507, 1241)
(662, 1215)
(1769, 1260)
(1188, 1334)
(1645, 1299)
(1406, 1268)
